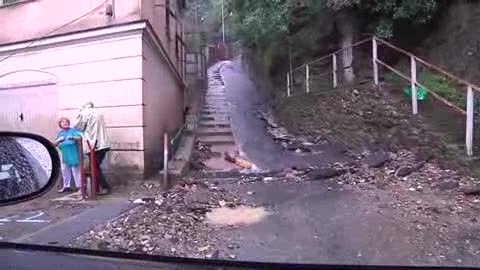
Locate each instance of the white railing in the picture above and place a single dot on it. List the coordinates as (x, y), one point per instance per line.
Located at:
(376, 43)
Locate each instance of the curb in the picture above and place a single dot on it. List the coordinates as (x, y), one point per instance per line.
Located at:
(179, 165)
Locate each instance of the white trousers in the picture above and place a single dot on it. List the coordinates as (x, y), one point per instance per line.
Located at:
(69, 173)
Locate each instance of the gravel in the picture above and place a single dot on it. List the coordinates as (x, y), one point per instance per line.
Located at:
(170, 223)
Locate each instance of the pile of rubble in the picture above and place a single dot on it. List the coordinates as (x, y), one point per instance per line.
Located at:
(403, 169)
(359, 118)
(171, 223)
(201, 153)
(281, 135)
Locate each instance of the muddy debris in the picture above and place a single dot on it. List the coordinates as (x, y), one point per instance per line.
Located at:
(172, 223)
(326, 173)
(201, 153)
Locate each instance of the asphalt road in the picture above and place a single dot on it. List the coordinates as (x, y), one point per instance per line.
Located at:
(28, 260)
(320, 222)
(250, 131)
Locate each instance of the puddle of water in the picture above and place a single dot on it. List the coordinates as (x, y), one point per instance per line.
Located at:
(242, 215)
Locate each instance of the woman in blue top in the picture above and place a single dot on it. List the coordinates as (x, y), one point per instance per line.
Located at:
(67, 141)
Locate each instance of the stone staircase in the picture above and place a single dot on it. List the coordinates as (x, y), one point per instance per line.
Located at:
(214, 123)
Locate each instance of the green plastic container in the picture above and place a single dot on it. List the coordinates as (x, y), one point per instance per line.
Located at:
(421, 93)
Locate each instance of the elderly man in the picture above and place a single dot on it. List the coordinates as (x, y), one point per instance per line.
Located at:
(92, 124)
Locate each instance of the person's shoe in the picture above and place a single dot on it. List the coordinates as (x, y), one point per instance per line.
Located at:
(103, 191)
(64, 190)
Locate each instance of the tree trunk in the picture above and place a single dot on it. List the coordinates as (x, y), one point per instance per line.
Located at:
(346, 25)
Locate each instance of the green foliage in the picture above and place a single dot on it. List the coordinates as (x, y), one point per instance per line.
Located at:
(387, 12)
(199, 10)
(258, 23)
(443, 88)
(417, 11)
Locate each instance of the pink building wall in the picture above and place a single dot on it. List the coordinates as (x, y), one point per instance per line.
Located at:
(164, 104)
(124, 74)
(35, 18)
(107, 71)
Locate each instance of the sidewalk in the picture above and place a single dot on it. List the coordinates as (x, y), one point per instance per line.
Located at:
(55, 219)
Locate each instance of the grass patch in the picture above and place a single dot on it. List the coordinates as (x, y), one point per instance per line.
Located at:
(440, 85)
(443, 87)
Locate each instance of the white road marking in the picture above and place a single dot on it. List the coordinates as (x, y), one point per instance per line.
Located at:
(33, 219)
(8, 219)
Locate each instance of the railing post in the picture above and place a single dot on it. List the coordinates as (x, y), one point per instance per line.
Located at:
(93, 171)
(374, 60)
(413, 81)
(83, 182)
(289, 87)
(469, 128)
(166, 146)
(307, 84)
(334, 70)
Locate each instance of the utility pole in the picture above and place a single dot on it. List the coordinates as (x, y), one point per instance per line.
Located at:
(196, 13)
(223, 21)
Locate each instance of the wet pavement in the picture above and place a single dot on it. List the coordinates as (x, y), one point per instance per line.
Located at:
(250, 130)
(322, 221)
(23, 260)
(49, 221)
(214, 125)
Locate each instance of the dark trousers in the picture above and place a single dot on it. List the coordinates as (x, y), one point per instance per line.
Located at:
(100, 156)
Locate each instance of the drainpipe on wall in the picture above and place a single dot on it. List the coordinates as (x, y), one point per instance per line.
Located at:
(110, 9)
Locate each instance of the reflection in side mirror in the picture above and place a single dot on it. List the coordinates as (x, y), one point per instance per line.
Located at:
(26, 166)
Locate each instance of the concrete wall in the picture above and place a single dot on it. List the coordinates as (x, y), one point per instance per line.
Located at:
(38, 18)
(155, 12)
(105, 70)
(164, 104)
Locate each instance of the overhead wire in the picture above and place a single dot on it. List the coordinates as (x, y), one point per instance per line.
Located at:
(72, 22)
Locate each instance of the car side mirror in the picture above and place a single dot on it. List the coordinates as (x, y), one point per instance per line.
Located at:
(29, 167)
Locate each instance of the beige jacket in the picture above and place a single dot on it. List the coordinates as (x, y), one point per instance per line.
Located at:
(92, 124)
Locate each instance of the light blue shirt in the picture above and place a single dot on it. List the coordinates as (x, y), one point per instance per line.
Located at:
(69, 148)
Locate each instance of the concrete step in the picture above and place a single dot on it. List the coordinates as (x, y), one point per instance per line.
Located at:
(216, 118)
(215, 103)
(218, 115)
(220, 164)
(213, 124)
(214, 131)
(216, 92)
(222, 148)
(215, 95)
(207, 118)
(216, 100)
(216, 139)
(213, 112)
(219, 109)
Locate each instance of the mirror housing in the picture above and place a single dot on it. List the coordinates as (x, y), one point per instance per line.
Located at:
(24, 175)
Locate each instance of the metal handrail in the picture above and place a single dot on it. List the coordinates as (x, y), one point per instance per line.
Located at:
(446, 102)
(331, 54)
(469, 112)
(93, 171)
(432, 66)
